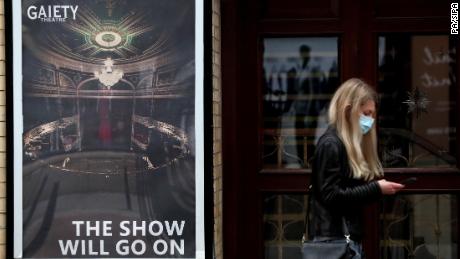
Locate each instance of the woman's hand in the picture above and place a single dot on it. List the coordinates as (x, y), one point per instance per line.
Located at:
(389, 188)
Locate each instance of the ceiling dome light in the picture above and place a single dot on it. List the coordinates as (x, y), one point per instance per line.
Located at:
(108, 39)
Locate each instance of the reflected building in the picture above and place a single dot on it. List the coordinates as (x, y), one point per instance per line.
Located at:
(300, 76)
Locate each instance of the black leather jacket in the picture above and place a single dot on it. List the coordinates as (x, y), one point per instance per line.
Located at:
(335, 193)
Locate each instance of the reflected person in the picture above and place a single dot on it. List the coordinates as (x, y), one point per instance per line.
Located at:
(309, 82)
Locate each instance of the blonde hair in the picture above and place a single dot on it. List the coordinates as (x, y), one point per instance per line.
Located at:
(344, 112)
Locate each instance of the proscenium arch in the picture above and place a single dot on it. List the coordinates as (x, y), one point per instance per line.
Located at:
(81, 84)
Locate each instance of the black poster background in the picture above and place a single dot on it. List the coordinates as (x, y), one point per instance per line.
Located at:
(108, 116)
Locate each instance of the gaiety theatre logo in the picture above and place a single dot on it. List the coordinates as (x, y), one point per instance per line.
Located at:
(52, 13)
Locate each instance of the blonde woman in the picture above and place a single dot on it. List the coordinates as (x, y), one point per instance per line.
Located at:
(346, 167)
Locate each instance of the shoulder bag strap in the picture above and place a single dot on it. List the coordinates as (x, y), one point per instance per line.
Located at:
(346, 233)
(307, 216)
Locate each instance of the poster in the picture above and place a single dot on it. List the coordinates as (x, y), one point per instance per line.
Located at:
(108, 123)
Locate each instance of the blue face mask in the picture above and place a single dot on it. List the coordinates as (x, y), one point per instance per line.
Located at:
(366, 123)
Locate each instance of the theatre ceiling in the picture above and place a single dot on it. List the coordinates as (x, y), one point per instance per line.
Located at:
(147, 49)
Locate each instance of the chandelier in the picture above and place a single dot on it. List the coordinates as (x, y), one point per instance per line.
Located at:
(107, 76)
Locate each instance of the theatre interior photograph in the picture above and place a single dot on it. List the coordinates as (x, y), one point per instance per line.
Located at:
(229, 129)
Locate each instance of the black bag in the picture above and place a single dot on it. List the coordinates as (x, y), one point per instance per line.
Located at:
(324, 248)
(327, 249)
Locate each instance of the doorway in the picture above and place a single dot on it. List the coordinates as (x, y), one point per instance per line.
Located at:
(281, 61)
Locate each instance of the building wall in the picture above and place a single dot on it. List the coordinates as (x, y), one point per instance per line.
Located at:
(2, 136)
(217, 129)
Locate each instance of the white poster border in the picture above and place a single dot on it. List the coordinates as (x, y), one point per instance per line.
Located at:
(18, 129)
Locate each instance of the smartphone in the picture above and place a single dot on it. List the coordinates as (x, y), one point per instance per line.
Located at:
(409, 180)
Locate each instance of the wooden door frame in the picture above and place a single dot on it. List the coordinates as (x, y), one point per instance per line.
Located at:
(243, 183)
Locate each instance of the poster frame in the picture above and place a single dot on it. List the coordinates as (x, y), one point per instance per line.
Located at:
(203, 125)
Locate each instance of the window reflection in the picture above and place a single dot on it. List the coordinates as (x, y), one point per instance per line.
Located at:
(300, 76)
(417, 84)
(419, 227)
(284, 222)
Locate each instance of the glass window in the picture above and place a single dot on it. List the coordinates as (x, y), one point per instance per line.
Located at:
(300, 75)
(420, 226)
(417, 115)
(284, 222)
